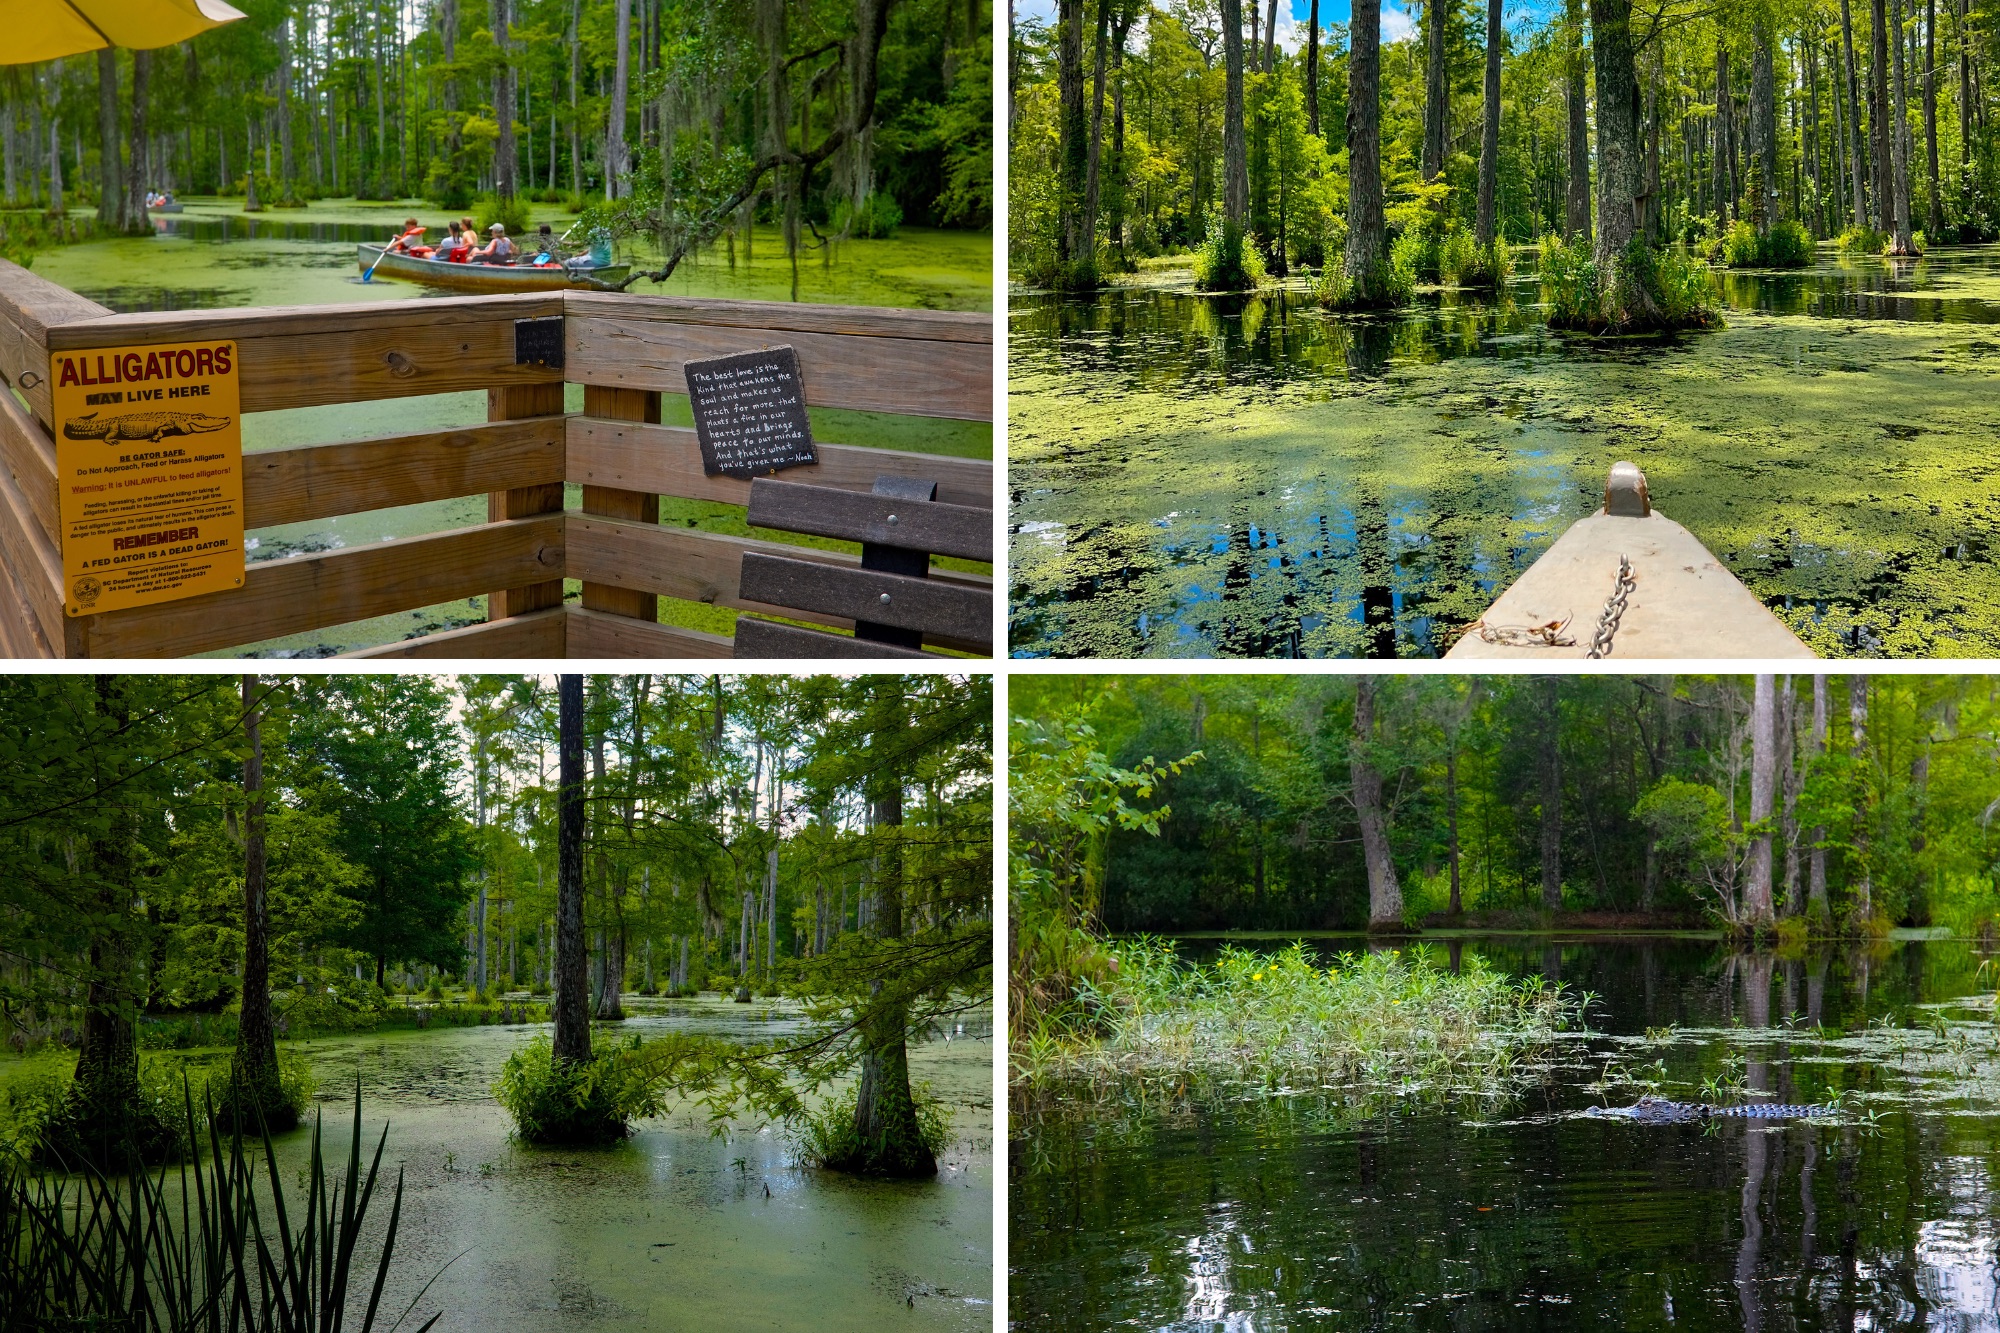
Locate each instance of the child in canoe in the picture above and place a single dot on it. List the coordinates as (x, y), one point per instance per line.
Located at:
(411, 240)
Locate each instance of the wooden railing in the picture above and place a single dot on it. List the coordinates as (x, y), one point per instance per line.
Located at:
(626, 352)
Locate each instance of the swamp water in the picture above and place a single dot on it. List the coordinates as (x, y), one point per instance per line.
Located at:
(1289, 1213)
(673, 1229)
(1251, 476)
(213, 256)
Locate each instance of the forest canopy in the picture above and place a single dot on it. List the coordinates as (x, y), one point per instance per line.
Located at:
(1870, 799)
(1741, 129)
(684, 115)
(315, 853)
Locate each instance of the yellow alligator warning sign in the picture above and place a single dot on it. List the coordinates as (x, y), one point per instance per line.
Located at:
(149, 459)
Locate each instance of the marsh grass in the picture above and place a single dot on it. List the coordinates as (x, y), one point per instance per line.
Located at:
(1254, 1025)
(826, 1136)
(39, 1093)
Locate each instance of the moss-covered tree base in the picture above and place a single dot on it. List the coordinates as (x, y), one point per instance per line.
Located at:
(108, 1134)
(256, 1102)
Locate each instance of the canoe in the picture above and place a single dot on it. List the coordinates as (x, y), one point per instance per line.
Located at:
(1634, 572)
(483, 277)
(163, 208)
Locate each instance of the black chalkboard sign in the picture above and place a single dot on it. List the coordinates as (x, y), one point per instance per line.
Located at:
(750, 413)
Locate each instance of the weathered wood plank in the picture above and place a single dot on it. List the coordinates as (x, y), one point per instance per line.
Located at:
(30, 306)
(282, 597)
(635, 506)
(536, 400)
(698, 566)
(29, 456)
(321, 480)
(789, 317)
(867, 594)
(667, 461)
(911, 376)
(594, 634)
(824, 511)
(33, 566)
(33, 562)
(535, 635)
(768, 638)
(303, 356)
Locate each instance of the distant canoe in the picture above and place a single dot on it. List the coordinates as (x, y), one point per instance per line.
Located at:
(163, 208)
(483, 277)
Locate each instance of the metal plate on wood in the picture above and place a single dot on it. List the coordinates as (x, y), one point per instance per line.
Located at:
(824, 511)
(769, 638)
(539, 342)
(859, 594)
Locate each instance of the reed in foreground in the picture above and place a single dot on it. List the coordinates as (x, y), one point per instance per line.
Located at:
(1256, 1024)
(215, 1251)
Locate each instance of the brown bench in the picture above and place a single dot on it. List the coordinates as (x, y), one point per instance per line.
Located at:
(896, 605)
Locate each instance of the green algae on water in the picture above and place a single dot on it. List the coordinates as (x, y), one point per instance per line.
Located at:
(1198, 477)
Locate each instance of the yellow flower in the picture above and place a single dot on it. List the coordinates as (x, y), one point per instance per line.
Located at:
(1256, 976)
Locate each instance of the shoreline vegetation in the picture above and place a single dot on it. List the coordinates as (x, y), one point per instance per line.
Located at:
(1253, 1025)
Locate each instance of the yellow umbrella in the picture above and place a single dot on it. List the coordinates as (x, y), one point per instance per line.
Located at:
(38, 30)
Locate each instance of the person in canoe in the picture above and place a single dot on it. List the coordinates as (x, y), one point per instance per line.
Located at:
(456, 246)
(499, 250)
(410, 241)
(544, 251)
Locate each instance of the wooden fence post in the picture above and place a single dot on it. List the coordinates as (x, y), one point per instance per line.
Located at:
(641, 405)
(530, 400)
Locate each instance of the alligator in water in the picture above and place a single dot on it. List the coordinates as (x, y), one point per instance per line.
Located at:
(1661, 1111)
(154, 426)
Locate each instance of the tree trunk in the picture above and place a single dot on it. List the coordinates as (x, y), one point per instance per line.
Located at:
(1550, 751)
(1072, 226)
(1899, 137)
(572, 985)
(1312, 68)
(1863, 906)
(888, 1142)
(1816, 862)
(616, 161)
(1578, 106)
(137, 177)
(1934, 206)
(1725, 136)
(1114, 231)
(1792, 781)
(1385, 895)
(105, 1120)
(110, 168)
(1618, 158)
(1879, 137)
(506, 158)
(1457, 907)
(1859, 166)
(289, 190)
(1093, 174)
(1764, 127)
(1235, 160)
(1486, 226)
(1757, 911)
(1437, 91)
(254, 1074)
(1367, 237)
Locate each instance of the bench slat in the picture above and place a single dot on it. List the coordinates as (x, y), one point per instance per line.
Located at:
(768, 638)
(857, 594)
(823, 511)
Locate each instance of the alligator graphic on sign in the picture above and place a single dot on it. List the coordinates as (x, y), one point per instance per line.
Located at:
(154, 426)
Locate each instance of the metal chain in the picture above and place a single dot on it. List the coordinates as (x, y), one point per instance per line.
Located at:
(1614, 611)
